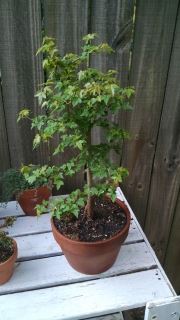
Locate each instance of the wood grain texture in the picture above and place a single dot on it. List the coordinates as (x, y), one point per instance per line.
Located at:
(54, 271)
(153, 38)
(164, 309)
(11, 209)
(21, 73)
(86, 299)
(113, 23)
(67, 22)
(172, 258)
(4, 149)
(165, 182)
(120, 193)
(43, 245)
(30, 225)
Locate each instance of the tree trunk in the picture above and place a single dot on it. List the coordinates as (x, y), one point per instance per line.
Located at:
(89, 207)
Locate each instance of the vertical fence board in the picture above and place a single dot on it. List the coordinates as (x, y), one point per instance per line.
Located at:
(21, 72)
(154, 27)
(165, 182)
(172, 260)
(113, 22)
(67, 21)
(4, 152)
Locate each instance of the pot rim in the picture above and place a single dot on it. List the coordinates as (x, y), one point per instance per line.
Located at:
(34, 189)
(12, 256)
(94, 243)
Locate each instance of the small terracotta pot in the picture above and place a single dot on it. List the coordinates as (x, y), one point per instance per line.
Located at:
(93, 257)
(28, 199)
(7, 267)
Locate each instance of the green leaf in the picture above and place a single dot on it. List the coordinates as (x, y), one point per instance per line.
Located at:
(74, 100)
(89, 37)
(24, 113)
(36, 140)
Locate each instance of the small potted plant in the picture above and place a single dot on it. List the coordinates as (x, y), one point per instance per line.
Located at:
(28, 194)
(89, 224)
(8, 253)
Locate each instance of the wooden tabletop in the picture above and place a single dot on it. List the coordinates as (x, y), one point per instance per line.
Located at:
(45, 287)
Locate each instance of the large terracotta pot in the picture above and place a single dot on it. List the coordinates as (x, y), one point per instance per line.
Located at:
(7, 267)
(93, 257)
(28, 199)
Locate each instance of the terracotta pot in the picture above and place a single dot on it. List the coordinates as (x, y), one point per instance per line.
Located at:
(93, 257)
(7, 267)
(28, 199)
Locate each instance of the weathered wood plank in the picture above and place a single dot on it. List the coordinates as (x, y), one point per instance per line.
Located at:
(43, 273)
(165, 182)
(43, 245)
(30, 225)
(37, 246)
(102, 296)
(113, 22)
(67, 22)
(172, 260)
(11, 209)
(121, 195)
(150, 63)
(163, 309)
(4, 150)
(21, 74)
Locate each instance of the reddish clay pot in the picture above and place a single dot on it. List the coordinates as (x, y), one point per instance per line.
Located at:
(28, 199)
(93, 257)
(7, 267)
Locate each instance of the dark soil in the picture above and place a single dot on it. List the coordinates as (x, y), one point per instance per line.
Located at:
(108, 220)
(6, 249)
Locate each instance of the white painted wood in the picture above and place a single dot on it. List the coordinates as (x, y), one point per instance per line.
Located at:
(87, 299)
(43, 245)
(14, 209)
(146, 241)
(166, 309)
(30, 225)
(55, 271)
(11, 209)
(37, 246)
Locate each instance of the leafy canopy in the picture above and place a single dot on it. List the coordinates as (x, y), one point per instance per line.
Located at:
(75, 99)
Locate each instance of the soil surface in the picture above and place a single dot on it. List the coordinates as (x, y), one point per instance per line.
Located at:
(6, 250)
(108, 220)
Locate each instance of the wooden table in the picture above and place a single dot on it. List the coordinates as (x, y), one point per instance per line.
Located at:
(45, 287)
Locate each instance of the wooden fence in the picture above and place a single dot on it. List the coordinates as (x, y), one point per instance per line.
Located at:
(146, 39)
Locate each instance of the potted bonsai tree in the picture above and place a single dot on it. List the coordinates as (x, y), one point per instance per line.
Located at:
(8, 253)
(27, 193)
(90, 224)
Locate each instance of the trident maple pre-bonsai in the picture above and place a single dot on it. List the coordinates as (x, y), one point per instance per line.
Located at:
(77, 98)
